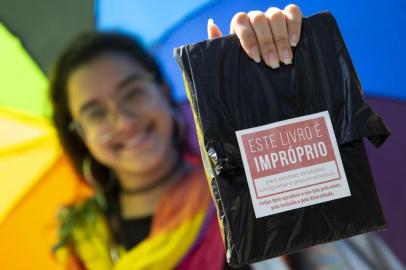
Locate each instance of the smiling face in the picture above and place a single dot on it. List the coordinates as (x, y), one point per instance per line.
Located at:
(125, 116)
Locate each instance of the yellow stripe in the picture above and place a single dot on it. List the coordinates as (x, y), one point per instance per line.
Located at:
(165, 250)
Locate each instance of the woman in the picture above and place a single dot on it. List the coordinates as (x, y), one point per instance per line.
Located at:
(123, 132)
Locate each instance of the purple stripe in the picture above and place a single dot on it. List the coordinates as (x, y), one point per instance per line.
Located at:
(388, 165)
(205, 226)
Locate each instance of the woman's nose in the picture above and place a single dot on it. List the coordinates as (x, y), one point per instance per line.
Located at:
(120, 123)
(123, 121)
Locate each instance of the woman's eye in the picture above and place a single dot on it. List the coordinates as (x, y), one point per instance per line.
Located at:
(133, 98)
(133, 94)
(97, 115)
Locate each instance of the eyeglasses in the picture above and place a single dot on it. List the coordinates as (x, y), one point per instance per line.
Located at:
(99, 119)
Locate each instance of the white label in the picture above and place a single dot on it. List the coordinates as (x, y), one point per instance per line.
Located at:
(292, 163)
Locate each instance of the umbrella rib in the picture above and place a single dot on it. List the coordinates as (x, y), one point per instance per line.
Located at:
(26, 144)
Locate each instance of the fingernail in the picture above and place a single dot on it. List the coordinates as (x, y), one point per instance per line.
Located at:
(273, 60)
(287, 60)
(293, 40)
(255, 55)
(210, 21)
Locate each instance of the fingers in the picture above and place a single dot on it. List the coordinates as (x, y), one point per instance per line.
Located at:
(213, 31)
(269, 35)
(264, 38)
(241, 26)
(293, 16)
(280, 34)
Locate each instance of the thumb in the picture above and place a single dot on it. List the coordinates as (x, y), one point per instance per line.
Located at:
(213, 31)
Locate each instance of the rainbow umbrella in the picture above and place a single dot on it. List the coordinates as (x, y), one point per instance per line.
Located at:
(35, 176)
(373, 34)
(36, 179)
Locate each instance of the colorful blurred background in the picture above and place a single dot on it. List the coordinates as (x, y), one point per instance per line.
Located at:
(35, 176)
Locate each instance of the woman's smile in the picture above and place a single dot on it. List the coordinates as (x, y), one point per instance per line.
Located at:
(138, 141)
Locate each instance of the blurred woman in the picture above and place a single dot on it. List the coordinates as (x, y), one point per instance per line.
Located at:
(125, 135)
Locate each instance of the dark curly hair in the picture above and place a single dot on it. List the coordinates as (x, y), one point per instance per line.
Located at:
(83, 49)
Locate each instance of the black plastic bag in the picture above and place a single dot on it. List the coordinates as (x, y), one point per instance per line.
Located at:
(229, 92)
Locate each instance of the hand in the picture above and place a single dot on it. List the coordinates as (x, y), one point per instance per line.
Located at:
(269, 35)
